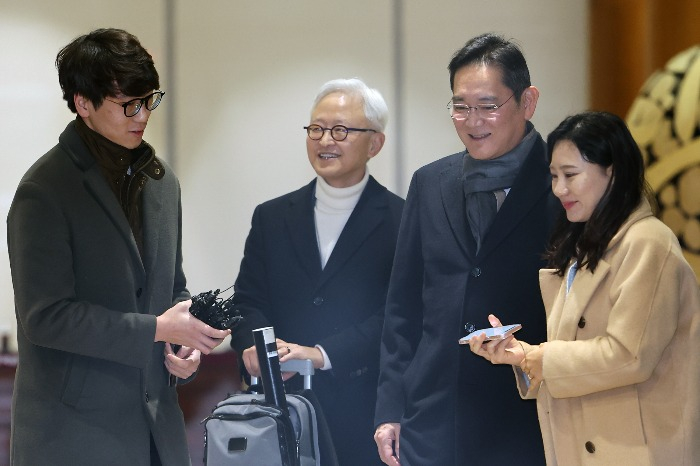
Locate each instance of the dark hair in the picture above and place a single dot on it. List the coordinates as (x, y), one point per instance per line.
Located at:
(604, 139)
(105, 62)
(493, 50)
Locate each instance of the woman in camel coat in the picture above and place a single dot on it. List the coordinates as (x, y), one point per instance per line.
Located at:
(618, 380)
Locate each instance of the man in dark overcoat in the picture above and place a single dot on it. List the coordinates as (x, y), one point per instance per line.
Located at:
(473, 231)
(317, 263)
(94, 238)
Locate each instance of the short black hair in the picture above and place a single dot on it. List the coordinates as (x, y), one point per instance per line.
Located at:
(102, 63)
(494, 50)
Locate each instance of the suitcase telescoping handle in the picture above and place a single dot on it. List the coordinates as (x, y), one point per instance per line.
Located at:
(304, 367)
(269, 361)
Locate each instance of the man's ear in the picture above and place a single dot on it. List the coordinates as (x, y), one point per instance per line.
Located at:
(529, 100)
(376, 144)
(82, 105)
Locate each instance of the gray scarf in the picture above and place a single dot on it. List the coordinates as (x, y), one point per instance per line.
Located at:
(483, 178)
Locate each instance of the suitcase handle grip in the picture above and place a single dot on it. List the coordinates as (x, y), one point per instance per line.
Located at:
(303, 366)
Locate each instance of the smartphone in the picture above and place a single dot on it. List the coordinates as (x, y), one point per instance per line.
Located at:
(493, 333)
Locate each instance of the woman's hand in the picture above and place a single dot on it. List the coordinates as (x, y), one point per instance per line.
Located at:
(506, 351)
(532, 363)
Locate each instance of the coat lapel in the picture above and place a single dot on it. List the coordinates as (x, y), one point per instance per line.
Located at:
(299, 220)
(453, 203)
(528, 188)
(367, 215)
(97, 186)
(562, 323)
(151, 196)
(564, 312)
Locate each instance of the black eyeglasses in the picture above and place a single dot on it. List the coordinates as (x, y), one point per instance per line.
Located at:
(338, 132)
(462, 111)
(133, 106)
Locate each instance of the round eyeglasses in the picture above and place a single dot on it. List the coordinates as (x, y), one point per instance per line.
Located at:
(338, 132)
(133, 106)
(461, 112)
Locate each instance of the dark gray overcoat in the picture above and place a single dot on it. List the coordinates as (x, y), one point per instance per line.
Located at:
(90, 383)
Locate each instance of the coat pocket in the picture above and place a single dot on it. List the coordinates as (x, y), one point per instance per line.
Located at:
(74, 379)
(613, 428)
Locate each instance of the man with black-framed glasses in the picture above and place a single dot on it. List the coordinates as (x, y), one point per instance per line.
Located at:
(317, 262)
(474, 229)
(94, 237)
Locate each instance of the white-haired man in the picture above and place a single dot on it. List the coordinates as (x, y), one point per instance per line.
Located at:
(317, 263)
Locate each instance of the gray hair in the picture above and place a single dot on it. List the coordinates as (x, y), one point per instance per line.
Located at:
(376, 111)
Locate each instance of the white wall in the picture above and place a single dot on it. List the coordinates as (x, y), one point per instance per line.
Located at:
(244, 75)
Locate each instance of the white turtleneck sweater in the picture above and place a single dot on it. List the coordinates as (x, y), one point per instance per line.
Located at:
(331, 213)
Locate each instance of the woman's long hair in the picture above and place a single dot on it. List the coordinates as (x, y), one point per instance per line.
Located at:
(604, 139)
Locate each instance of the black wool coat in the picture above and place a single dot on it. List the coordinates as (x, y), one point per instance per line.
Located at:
(454, 407)
(340, 307)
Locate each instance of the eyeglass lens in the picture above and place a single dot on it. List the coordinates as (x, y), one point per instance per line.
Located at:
(462, 112)
(132, 107)
(338, 132)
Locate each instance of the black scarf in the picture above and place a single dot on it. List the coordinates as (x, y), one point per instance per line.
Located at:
(126, 172)
(482, 177)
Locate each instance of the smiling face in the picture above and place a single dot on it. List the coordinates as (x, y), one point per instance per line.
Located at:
(579, 185)
(490, 136)
(342, 163)
(109, 120)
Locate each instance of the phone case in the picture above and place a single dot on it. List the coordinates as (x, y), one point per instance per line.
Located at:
(493, 333)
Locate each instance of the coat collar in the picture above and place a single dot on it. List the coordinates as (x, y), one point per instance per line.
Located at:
(531, 184)
(454, 205)
(367, 215)
(563, 323)
(97, 186)
(641, 212)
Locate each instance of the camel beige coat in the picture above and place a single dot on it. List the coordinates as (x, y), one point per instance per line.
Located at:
(622, 363)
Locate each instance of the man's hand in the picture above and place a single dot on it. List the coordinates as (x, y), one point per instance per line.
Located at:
(289, 351)
(250, 361)
(286, 352)
(184, 363)
(178, 326)
(387, 438)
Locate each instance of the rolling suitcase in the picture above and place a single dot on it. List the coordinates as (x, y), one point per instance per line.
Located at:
(270, 429)
(244, 429)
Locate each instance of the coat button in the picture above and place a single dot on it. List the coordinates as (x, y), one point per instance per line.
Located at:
(476, 272)
(582, 322)
(318, 300)
(147, 397)
(590, 447)
(138, 292)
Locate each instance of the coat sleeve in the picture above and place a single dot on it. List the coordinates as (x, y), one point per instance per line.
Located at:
(251, 289)
(403, 318)
(644, 299)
